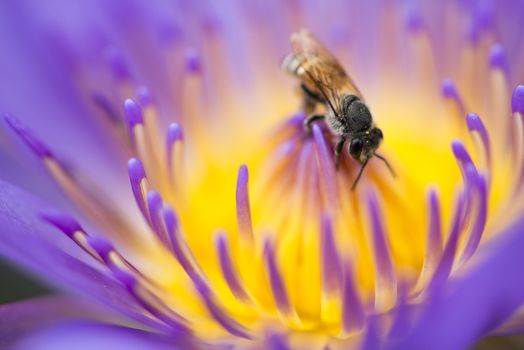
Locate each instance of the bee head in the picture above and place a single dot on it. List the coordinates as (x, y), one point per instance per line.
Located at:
(363, 146)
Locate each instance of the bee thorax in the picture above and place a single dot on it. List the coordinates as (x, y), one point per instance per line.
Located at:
(337, 125)
(355, 115)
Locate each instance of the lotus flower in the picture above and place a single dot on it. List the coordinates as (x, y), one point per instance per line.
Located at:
(157, 171)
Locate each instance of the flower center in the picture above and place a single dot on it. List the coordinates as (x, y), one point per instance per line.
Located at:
(252, 227)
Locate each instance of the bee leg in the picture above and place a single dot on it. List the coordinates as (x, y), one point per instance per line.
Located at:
(309, 105)
(311, 119)
(311, 99)
(338, 150)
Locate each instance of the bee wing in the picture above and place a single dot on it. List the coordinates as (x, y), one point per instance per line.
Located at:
(319, 69)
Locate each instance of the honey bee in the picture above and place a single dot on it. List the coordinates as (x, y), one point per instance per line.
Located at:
(324, 82)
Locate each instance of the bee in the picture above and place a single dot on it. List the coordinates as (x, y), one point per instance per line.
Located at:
(324, 82)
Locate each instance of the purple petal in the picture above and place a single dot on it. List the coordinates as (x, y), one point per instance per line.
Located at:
(19, 319)
(30, 242)
(477, 302)
(84, 336)
(118, 65)
(371, 337)
(277, 342)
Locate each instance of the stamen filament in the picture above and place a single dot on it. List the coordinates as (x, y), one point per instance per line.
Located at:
(386, 281)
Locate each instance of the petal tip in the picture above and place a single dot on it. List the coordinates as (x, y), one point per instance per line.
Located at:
(517, 100)
(133, 113)
(136, 169)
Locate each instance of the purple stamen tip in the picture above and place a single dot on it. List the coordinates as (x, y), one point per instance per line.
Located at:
(475, 124)
(101, 245)
(498, 57)
(174, 133)
(170, 218)
(65, 223)
(448, 89)
(517, 100)
(460, 151)
(28, 137)
(136, 170)
(472, 175)
(297, 119)
(116, 62)
(144, 96)
(484, 14)
(168, 32)
(243, 175)
(193, 61)
(154, 201)
(133, 113)
(473, 121)
(414, 20)
(483, 20)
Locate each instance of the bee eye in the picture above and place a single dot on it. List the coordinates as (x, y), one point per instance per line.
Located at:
(355, 148)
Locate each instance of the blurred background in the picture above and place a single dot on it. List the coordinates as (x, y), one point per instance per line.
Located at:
(16, 285)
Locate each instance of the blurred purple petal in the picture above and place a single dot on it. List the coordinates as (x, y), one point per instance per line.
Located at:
(478, 302)
(86, 336)
(47, 253)
(19, 319)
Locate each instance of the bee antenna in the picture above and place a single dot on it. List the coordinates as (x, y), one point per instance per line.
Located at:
(387, 164)
(360, 173)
